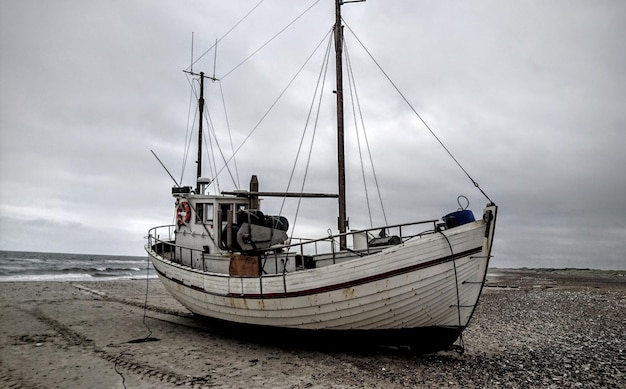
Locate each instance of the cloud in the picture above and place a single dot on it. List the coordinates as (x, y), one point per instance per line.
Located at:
(526, 96)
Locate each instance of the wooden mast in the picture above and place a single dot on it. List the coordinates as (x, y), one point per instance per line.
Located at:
(341, 168)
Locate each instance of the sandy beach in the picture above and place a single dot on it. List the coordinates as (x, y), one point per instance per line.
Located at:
(532, 328)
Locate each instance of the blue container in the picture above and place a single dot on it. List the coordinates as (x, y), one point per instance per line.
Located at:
(458, 218)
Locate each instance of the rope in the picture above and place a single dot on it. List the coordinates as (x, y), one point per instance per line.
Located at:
(458, 298)
(147, 338)
(418, 115)
(145, 301)
(118, 360)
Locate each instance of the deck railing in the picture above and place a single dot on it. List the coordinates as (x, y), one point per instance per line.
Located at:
(363, 242)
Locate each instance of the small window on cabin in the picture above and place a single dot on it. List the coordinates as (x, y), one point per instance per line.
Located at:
(225, 208)
(208, 213)
(204, 213)
(199, 213)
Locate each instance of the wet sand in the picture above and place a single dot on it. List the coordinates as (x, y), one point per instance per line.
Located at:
(532, 328)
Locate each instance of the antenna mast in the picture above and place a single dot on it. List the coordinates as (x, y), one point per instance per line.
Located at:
(201, 112)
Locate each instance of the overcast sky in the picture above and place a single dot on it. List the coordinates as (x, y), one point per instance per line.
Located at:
(528, 96)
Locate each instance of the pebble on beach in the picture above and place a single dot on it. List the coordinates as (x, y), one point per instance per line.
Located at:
(532, 328)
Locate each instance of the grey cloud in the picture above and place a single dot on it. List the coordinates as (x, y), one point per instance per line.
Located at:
(526, 95)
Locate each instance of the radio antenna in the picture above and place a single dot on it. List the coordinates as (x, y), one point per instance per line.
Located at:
(215, 60)
(168, 172)
(191, 66)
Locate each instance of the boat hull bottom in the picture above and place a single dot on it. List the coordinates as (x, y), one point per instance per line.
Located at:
(422, 340)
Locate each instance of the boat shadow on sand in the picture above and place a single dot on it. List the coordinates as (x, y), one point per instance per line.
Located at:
(396, 342)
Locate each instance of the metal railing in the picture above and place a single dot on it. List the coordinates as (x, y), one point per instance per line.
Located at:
(162, 241)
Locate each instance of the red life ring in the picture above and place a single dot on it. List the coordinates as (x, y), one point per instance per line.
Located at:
(183, 213)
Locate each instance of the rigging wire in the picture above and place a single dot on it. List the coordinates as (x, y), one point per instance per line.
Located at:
(418, 115)
(219, 148)
(209, 147)
(271, 39)
(224, 36)
(236, 180)
(369, 150)
(308, 118)
(318, 97)
(352, 81)
(230, 135)
(272, 105)
(353, 97)
(188, 131)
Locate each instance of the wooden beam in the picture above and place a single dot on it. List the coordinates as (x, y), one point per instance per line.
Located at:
(282, 194)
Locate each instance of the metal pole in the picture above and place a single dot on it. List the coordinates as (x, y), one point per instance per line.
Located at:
(201, 112)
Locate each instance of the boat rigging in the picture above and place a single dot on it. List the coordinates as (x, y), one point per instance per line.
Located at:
(414, 284)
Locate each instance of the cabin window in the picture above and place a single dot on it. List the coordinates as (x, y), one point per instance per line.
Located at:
(208, 213)
(199, 213)
(225, 208)
(231, 209)
(204, 213)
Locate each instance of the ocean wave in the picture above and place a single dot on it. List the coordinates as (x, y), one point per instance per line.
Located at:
(143, 262)
(26, 266)
(96, 269)
(33, 260)
(46, 277)
(71, 277)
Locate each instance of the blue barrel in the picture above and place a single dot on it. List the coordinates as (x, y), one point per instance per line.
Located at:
(458, 218)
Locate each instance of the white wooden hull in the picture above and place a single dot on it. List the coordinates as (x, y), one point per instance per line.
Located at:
(417, 284)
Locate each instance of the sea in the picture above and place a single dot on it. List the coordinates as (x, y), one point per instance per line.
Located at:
(33, 266)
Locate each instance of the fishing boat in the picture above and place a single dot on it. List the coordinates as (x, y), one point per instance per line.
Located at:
(413, 284)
